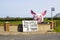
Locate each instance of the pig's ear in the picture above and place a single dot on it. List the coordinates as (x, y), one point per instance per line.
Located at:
(33, 13)
(44, 13)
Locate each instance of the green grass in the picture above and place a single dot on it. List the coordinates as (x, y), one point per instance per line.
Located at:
(11, 22)
(57, 27)
(15, 22)
(2, 23)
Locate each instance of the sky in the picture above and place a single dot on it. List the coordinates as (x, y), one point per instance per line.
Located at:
(22, 8)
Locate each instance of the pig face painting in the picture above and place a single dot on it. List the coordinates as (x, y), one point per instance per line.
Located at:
(38, 17)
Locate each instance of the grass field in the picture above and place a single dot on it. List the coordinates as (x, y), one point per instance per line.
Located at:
(57, 25)
(11, 22)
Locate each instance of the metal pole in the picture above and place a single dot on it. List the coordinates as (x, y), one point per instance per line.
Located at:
(52, 9)
(51, 15)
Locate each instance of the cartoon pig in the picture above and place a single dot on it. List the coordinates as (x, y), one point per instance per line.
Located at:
(38, 17)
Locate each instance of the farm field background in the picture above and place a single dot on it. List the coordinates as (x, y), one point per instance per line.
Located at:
(11, 22)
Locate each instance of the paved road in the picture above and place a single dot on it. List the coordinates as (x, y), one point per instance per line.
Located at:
(31, 37)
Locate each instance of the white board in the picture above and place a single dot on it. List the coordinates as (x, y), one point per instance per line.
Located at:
(30, 25)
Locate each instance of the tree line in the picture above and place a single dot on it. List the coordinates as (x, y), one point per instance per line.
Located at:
(15, 19)
(20, 19)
